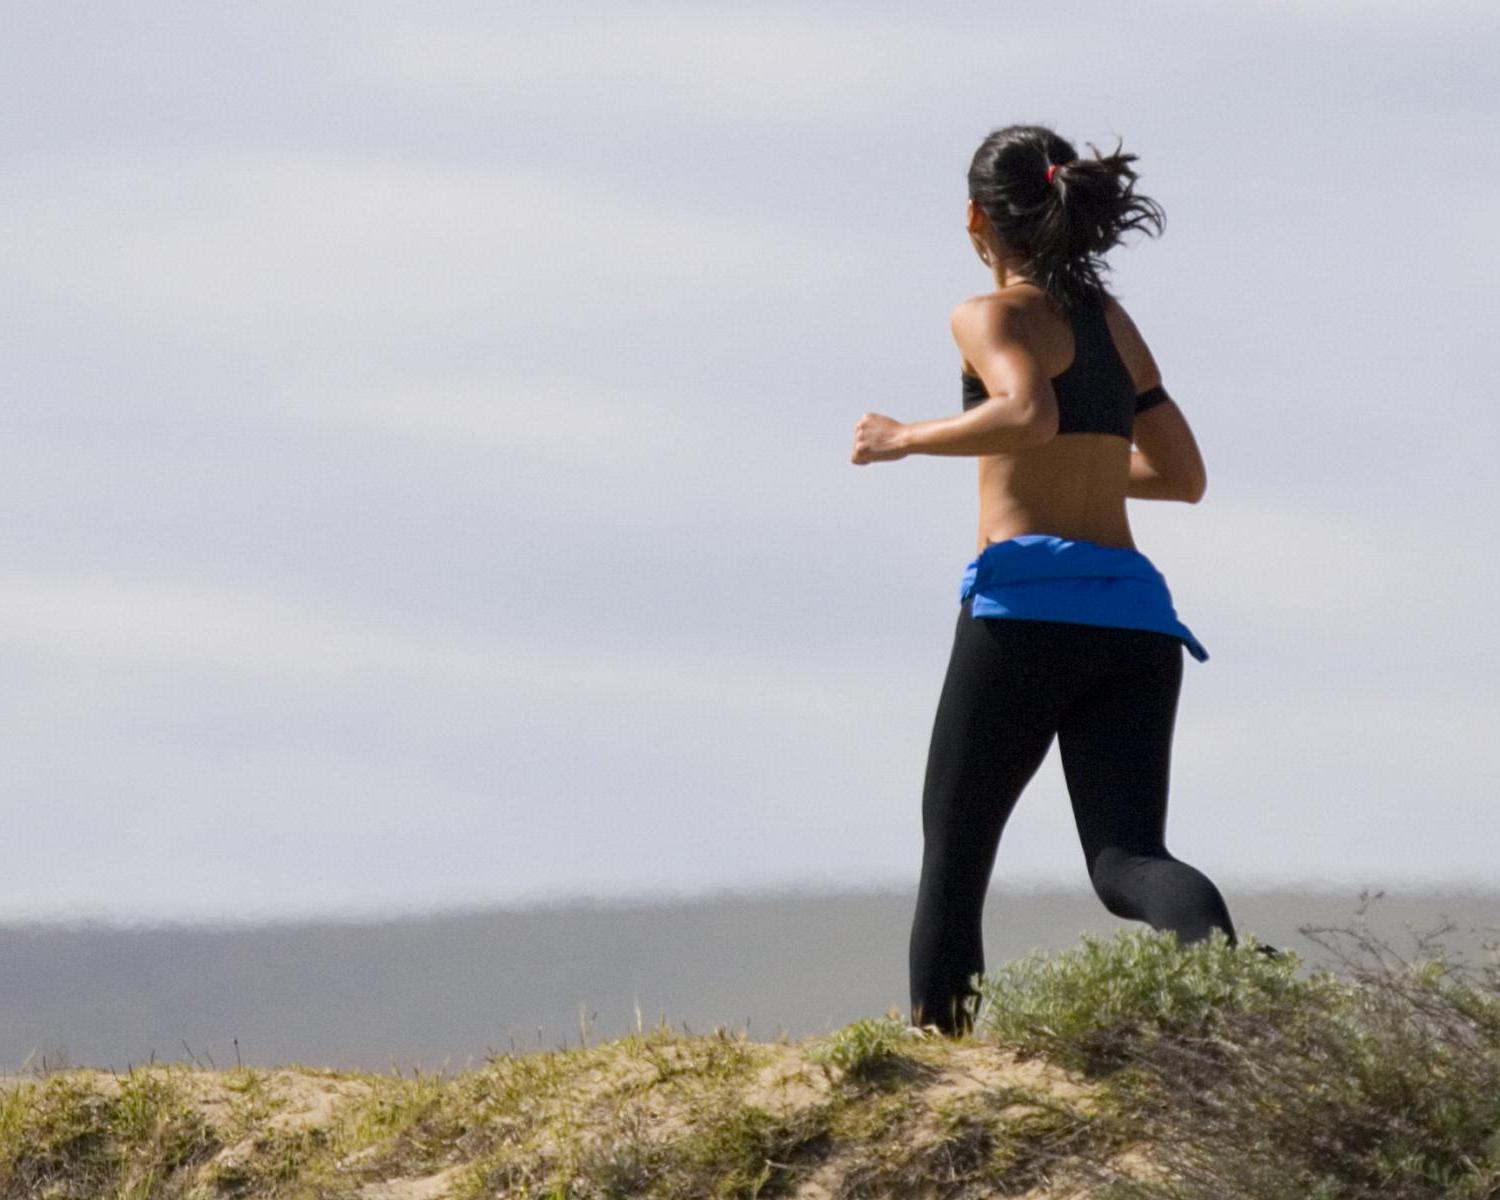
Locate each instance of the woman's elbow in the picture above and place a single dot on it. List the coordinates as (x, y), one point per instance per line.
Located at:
(1041, 424)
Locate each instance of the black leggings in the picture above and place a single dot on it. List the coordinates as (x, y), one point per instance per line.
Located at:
(1110, 696)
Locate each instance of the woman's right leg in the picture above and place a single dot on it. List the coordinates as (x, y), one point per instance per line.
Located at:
(995, 723)
(1115, 740)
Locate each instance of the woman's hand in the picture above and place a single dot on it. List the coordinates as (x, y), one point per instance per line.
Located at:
(878, 439)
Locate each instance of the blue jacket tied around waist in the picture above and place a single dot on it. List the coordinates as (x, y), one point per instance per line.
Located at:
(1039, 577)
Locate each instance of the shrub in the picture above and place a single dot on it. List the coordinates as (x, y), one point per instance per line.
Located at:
(1093, 1007)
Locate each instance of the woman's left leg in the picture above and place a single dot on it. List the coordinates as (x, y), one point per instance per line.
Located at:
(995, 718)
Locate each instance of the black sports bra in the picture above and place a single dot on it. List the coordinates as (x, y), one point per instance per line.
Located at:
(1095, 394)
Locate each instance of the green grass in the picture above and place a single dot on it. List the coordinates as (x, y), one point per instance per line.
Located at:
(873, 1050)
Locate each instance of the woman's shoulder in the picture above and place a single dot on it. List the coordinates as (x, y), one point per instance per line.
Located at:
(1014, 305)
(1131, 345)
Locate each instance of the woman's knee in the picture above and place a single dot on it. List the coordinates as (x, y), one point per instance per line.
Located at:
(1151, 884)
(1120, 876)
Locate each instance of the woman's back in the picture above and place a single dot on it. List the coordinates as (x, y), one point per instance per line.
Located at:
(1075, 484)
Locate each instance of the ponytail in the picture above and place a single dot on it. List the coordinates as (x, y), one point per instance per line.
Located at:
(1060, 213)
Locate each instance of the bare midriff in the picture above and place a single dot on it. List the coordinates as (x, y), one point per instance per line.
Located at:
(1072, 486)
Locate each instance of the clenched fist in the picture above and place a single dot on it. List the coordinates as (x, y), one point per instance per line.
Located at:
(878, 439)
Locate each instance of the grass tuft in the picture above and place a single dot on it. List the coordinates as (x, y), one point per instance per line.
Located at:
(870, 1050)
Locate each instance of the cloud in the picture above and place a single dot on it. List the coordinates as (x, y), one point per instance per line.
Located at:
(560, 420)
(259, 632)
(1440, 16)
(732, 69)
(1301, 570)
(290, 255)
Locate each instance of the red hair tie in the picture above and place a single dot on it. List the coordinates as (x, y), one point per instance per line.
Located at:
(1051, 170)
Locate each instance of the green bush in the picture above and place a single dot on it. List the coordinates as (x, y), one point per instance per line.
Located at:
(1251, 1084)
(1096, 1006)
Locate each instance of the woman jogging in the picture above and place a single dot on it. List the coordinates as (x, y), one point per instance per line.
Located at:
(1064, 627)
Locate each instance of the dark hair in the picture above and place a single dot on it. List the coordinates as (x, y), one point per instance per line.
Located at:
(1061, 230)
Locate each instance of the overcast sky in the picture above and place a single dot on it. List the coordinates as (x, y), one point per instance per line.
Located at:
(424, 457)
